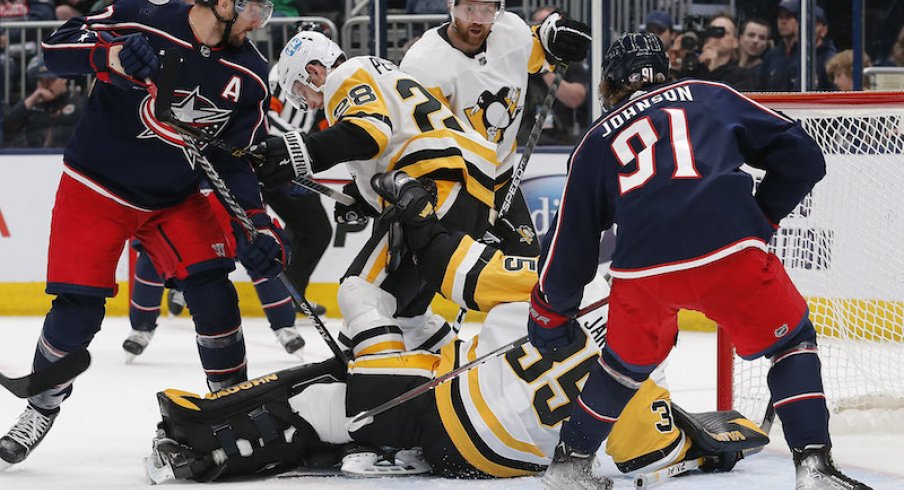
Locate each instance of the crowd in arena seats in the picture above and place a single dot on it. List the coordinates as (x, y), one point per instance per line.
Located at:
(755, 48)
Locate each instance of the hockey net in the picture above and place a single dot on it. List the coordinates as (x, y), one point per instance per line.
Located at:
(843, 249)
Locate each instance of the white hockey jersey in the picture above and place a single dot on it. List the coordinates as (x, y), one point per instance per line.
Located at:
(413, 130)
(488, 89)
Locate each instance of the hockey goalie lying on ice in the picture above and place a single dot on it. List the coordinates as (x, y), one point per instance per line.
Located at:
(500, 419)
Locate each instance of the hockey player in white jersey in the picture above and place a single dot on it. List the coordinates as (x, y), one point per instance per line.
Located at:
(381, 119)
(478, 64)
(498, 420)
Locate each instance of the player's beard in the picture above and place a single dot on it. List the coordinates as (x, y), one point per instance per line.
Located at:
(471, 33)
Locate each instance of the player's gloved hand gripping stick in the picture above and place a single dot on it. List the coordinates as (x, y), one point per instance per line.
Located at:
(165, 85)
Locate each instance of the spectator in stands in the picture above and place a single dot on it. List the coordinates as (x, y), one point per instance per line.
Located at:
(47, 117)
(825, 48)
(660, 23)
(896, 58)
(13, 47)
(840, 69)
(753, 43)
(570, 112)
(718, 55)
(781, 66)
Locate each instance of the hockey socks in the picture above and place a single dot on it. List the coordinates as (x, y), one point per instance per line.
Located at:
(795, 381)
(277, 302)
(147, 293)
(605, 394)
(214, 308)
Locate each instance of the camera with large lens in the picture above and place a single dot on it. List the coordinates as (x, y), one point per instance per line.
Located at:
(692, 38)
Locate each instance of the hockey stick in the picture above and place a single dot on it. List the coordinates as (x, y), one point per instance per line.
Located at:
(518, 171)
(48, 377)
(165, 86)
(367, 416)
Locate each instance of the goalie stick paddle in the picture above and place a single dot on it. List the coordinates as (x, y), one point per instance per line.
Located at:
(367, 416)
(163, 111)
(518, 171)
(168, 74)
(57, 373)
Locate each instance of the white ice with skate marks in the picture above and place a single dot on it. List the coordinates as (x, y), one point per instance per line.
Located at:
(105, 429)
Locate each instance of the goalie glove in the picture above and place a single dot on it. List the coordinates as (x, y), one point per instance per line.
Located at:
(565, 39)
(124, 61)
(266, 255)
(286, 158)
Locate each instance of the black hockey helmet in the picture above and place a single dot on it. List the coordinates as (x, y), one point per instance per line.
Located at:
(636, 57)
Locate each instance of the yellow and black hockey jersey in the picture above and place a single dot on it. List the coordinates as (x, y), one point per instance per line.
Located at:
(486, 90)
(412, 129)
(504, 416)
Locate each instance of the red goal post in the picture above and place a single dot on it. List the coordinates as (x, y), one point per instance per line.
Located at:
(842, 247)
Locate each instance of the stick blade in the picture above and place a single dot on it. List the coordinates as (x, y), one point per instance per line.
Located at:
(62, 371)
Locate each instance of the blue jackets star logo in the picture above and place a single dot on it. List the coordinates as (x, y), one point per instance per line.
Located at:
(189, 107)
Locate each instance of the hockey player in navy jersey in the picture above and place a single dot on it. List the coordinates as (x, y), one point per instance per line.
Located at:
(664, 166)
(128, 174)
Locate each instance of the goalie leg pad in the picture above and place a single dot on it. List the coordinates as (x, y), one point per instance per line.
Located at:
(251, 426)
(795, 381)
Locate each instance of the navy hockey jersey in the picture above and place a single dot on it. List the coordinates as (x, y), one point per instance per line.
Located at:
(664, 167)
(122, 147)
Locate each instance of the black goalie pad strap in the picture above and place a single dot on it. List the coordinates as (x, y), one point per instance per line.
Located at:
(721, 431)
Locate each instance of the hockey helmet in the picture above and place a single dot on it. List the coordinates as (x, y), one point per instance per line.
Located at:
(304, 48)
(636, 57)
(477, 11)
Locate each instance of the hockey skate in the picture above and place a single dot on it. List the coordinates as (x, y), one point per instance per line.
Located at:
(136, 343)
(371, 463)
(816, 470)
(24, 436)
(175, 302)
(170, 460)
(571, 470)
(290, 339)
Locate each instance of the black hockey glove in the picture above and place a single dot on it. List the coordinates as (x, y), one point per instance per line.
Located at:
(286, 158)
(546, 329)
(266, 255)
(565, 39)
(131, 67)
(413, 204)
(356, 214)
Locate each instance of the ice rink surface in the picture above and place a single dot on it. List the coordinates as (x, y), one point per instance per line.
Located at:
(105, 428)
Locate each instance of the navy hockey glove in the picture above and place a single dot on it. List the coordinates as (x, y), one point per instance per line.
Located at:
(266, 255)
(357, 213)
(565, 39)
(286, 158)
(546, 329)
(124, 61)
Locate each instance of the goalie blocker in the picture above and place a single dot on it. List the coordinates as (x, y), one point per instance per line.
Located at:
(254, 428)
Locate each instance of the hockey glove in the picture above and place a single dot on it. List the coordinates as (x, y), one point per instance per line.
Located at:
(124, 61)
(546, 329)
(357, 213)
(412, 205)
(286, 159)
(565, 39)
(266, 255)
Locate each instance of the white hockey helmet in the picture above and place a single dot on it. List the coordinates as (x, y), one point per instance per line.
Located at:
(477, 11)
(304, 48)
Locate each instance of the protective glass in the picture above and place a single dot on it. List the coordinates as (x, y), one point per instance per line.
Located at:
(258, 11)
(477, 12)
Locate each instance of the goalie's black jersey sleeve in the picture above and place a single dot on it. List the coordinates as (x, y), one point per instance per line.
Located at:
(121, 147)
(665, 167)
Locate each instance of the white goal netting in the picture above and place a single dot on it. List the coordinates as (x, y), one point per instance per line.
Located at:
(843, 248)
